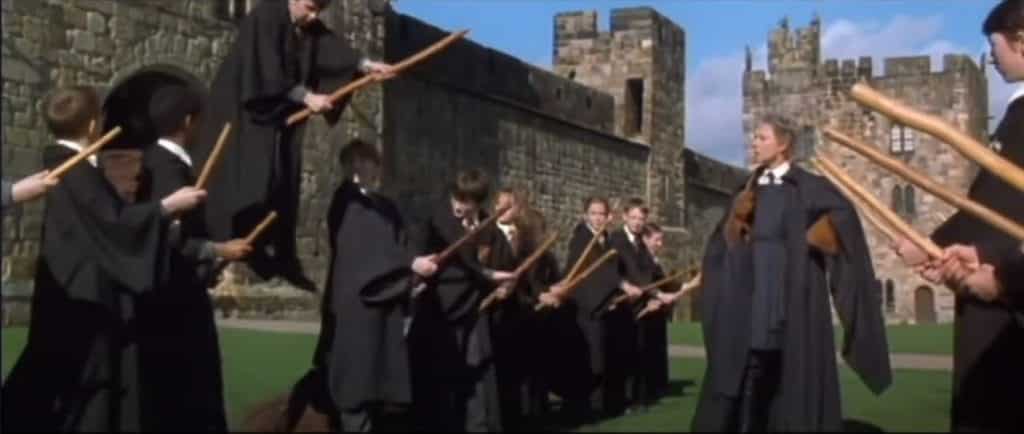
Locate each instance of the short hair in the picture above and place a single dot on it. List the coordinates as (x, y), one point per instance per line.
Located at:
(519, 195)
(69, 110)
(650, 229)
(784, 129)
(471, 185)
(358, 149)
(635, 202)
(1006, 17)
(170, 105)
(596, 199)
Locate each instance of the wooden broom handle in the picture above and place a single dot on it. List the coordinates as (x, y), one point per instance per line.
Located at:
(576, 281)
(260, 228)
(530, 260)
(941, 130)
(93, 148)
(340, 93)
(214, 156)
(960, 201)
(454, 247)
(874, 204)
(863, 210)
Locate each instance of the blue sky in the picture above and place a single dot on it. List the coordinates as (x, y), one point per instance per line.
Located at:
(718, 30)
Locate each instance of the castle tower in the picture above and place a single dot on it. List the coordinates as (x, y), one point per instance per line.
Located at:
(641, 62)
(812, 93)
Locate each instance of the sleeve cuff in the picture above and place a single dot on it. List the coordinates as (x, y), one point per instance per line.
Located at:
(298, 93)
(8, 194)
(207, 252)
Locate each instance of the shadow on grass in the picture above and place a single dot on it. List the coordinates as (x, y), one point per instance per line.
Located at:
(679, 387)
(853, 425)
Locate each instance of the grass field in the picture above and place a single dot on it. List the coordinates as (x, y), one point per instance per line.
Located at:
(258, 365)
(918, 339)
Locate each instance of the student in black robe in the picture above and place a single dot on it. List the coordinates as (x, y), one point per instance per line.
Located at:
(283, 59)
(766, 318)
(987, 350)
(541, 349)
(362, 352)
(520, 342)
(179, 348)
(583, 335)
(455, 388)
(79, 370)
(628, 341)
(504, 249)
(655, 325)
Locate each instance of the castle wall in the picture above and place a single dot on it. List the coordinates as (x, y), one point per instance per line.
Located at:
(815, 95)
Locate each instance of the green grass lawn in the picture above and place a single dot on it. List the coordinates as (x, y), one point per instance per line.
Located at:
(259, 365)
(918, 339)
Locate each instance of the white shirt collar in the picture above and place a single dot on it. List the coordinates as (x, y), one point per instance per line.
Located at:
(507, 229)
(175, 149)
(778, 172)
(355, 180)
(1016, 94)
(75, 146)
(629, 235)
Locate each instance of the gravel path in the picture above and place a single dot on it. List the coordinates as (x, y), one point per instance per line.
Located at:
(926, 362)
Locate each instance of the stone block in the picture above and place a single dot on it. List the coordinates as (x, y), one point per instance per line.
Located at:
(96, 23)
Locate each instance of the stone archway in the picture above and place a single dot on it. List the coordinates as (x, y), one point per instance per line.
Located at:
(126, 105)
(924, 305)
(127, 102)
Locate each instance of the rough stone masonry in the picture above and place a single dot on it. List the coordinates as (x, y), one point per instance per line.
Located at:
(607, 119)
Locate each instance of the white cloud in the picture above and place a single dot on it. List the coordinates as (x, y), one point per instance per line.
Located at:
(714, 87)
(714, 107)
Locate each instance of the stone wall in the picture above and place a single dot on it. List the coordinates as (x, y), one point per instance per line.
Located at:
(641, 62)
(558, 134)
(99, 42)
(815, 95)
(521, 124)
(52, 43)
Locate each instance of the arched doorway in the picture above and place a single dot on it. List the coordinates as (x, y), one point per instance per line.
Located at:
(127, 106)
(924, 305)
(127, 103)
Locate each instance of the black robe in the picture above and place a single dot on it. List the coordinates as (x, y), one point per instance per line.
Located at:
(521, 343)
(79, 370)
(655, 326)
(809, 395)
(451, 348)
(583, 330)
(179, 348)
(987, 351)
(630, 341)
(261, 161)
(362, 348)
(1010, 271)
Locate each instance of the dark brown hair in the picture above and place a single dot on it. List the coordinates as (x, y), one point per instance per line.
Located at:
(1007, 18)
(361, 150)
(596, 199)
(650, 229)
(471, 185)
(69, 110)
(635, 202)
